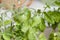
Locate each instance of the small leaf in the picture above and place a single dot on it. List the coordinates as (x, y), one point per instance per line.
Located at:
(48, 18)
(51, 36)
(7, 22)
(27, 13)
(18, 38)
(47, 5)
(6, 37)
(42, 25)
(32, 35)
(55, 36)
(42, 37)
(57, 3)
(59, 27)
(54, 26)
(58, 36)
(36, 21)
(25, 27)
(38, 11)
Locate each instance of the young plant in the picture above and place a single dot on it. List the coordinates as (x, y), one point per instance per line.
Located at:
(25, 24)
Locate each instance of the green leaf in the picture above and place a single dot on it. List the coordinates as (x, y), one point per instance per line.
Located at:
(36, 21)
(25, 26)
(17, 19)
(32, 34)
(18, 38)
(27, 12)
(47, 5)
(48, 18)
(42, 37)
(18, 27)
(58, 36)
(54, 26)
(6, 37)
(0, 35)
(51, 36)
(55, 36)
(57, 3)
(59, 27)
(54, 15)
(38, 11)
(20, 18)
(25, 38)
(7, 22)
(42, 25)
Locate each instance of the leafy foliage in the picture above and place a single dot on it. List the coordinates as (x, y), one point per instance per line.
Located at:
(57, 3)
(24, 26)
